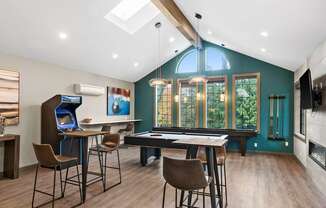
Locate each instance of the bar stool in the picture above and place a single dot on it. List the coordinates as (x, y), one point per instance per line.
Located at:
(110, 143)
(129, 128)
(221, 164)
(47, 159)
(185, 175)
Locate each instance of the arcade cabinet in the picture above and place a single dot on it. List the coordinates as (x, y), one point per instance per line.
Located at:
(58, 115)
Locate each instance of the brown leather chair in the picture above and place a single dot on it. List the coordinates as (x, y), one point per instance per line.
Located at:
(129, 128)
(110, 143)
(47, 159)
(184, 175)
(221, 161)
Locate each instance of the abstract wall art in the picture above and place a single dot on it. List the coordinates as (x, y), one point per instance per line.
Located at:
(9, 96)
(118, 101)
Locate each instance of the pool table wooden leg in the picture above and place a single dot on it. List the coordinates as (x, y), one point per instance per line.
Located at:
(243, 146)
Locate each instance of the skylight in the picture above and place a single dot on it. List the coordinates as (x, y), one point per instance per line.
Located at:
(131, 15)
(128, 8)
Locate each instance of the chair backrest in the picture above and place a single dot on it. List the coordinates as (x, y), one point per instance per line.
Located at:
(129, 127)
(45, 155)
(106, 128)
(220, 152)
(184, 174)
(112, 140)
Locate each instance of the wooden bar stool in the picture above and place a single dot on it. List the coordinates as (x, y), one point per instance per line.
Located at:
(221, 163)
(110, 143)
(185, 175)
(47, 159)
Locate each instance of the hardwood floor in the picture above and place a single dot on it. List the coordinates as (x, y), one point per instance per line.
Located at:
(254, 181)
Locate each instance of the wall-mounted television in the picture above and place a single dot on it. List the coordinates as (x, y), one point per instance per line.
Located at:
(306, 91)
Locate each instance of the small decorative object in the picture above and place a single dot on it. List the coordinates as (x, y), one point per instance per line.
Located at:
(2, 125)
(118, 101)
(86, 120)
(9, 96)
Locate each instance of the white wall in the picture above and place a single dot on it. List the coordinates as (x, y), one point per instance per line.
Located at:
(39, 82)
(315, 121)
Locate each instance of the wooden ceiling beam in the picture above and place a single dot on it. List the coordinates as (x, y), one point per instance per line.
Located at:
(179, 20)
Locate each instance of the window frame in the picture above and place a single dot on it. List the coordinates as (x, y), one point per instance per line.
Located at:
(179, 83)
(258, 98)
(226, 102)
(182, 58)
(170, 100)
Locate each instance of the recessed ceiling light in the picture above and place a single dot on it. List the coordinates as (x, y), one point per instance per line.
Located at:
(63, 36)
(171, 39)
(263, 50)
(115, 56)
(136, 64)
(209, 32)
(264, 34)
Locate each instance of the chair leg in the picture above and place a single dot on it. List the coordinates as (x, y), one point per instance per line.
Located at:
(221, 185)
(226, 191)
(64, 187)
(79, 185)
(176, 198)
(35, 185)
(203, 197)
(119, 165)
(54, 179)
(61, 189)
(164, 189)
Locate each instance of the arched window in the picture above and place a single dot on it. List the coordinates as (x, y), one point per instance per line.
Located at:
(215, 60)
(188, 62)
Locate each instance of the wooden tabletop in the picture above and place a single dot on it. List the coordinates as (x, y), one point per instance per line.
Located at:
(205, 142)
(7, 137)
(83, 133)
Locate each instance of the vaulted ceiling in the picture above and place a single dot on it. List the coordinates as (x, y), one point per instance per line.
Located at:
(32, 28)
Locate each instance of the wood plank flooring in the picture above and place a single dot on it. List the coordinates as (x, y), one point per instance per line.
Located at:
(254, 181)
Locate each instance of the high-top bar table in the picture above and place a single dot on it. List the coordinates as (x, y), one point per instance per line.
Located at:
(83, 136)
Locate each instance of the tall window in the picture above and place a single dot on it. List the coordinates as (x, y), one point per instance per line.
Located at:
(246, 101)
(215, 60)
(188, 62)
(216, 102)
(188, 105)
(163, 105)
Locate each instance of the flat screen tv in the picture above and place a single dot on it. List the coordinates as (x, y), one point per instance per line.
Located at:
(306, 91)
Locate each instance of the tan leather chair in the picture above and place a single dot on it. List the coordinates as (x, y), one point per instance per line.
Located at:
(221, 163)
(47, 159)
(110, 143)
(184, 175)
(129, 128)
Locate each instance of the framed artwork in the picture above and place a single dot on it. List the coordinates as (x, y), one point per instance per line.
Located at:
(9, 96)
(118, 101)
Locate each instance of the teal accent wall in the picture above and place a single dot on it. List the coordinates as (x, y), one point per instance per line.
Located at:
(274, 80)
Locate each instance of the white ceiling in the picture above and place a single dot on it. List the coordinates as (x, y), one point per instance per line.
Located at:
(30, 29)
(295, 27)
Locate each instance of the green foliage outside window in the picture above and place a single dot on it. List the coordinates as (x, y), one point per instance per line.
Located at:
(215, 107)
(188, 106)
(246, 103)
(163, 106)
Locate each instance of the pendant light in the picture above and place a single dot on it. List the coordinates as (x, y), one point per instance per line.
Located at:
(199, 78)
(158, 80)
